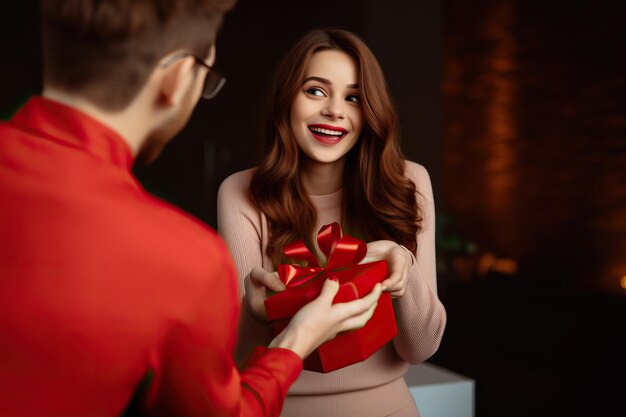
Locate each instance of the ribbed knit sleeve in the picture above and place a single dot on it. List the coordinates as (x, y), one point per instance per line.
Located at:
(420, 315)
(240, 226)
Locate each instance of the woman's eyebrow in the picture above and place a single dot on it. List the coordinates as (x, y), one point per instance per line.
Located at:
(326, 81)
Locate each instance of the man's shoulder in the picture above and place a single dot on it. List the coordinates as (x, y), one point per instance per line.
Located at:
(175, 222)
(174, 240)
(142, 223)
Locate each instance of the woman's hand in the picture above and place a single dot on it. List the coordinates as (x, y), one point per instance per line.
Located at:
(256, 285)
(320, 320)
(399, 261)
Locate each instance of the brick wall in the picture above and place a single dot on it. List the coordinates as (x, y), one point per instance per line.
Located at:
(535, 135)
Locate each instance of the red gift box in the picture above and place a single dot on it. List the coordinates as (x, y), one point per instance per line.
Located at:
(343, 253)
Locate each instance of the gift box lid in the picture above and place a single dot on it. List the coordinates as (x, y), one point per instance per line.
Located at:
(355, 282)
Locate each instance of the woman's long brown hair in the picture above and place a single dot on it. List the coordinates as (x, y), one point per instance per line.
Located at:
(378, 200)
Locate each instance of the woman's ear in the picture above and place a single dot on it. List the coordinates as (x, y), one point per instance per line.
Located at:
(176, 79)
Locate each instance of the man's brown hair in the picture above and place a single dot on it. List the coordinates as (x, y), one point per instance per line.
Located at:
(106, 49)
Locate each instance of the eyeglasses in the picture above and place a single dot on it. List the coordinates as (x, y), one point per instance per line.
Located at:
(213, 81)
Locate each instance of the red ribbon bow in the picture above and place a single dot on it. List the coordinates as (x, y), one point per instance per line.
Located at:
(341, 252)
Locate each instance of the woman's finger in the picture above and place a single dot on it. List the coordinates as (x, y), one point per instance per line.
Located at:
(261, 277)
(405, 273)
(396, 259)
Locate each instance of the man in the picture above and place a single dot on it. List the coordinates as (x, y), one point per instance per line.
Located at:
(109, 296)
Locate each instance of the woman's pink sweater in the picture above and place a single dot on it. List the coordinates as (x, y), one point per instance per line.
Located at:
(420, 316)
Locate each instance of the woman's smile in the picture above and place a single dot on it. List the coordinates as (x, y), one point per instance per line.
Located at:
(327, 134)
(326, 115)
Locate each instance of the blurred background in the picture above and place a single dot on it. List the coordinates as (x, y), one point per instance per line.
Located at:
(518, 111)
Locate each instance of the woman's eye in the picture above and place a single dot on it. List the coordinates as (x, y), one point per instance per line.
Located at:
(314, 91)
(353, 98)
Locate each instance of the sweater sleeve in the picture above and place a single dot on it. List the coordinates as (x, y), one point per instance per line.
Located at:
(239, 224)
(197, 377)
(420, 315)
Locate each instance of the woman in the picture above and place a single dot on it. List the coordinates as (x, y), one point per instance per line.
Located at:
(332, 154)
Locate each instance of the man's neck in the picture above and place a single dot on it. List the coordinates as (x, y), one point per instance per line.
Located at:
(123, 122)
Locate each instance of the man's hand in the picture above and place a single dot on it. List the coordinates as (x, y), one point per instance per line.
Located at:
(320, 320)
(399, 261)
(255, 290)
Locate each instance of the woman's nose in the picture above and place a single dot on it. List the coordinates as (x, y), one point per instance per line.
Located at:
(334, 109)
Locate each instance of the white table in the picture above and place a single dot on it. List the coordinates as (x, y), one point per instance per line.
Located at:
(439, 392)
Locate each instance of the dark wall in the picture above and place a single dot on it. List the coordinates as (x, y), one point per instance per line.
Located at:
(20, 47)
(535, 135)
(535, 170)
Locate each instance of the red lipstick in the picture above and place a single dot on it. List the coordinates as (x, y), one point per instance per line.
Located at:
(327, 134)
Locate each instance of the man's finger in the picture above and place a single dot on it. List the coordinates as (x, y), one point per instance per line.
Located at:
(374, 295)
(358, 321)
(356, 307)
(329, 290)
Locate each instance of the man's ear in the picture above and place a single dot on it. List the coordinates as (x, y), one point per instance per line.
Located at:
(175, 80)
